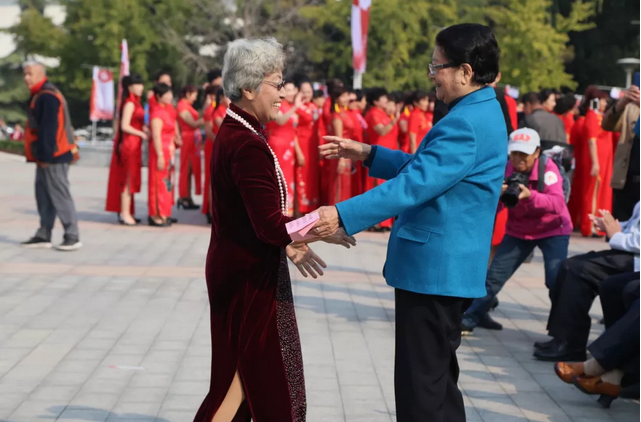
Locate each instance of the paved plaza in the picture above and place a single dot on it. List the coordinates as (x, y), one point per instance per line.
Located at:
(119, 331)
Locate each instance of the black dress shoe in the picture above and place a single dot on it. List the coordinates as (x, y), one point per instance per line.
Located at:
(124, 223)
(153, 223)
(545, 344)
(466, 330)
(172, 220)
(561, 352)
(489, 324)
(495, 303)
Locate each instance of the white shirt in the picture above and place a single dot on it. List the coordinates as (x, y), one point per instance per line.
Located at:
(628, 238)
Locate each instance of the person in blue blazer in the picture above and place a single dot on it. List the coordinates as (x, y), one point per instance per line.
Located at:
(444, 199)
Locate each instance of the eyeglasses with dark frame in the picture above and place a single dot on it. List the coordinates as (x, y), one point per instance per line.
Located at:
(434, 67)
(276, 85)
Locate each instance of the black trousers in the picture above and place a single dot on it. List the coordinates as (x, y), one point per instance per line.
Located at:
(428, 332)
(618, 346)
(624, 200)
(576, 287)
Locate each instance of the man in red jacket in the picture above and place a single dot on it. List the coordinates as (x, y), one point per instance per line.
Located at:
(49, 143)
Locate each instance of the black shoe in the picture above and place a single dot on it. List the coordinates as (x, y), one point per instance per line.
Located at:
(187, 204)
(208, 219)
(172, 220)
(489, 324)
(36, 243)
(153, 223)
(466, 330)
(68, 245)
(495, 303)
(545, 344)
(124, 223)
(561, 352)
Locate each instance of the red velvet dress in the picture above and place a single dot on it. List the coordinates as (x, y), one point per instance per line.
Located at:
(357, 176)
(126, 160)
(253, 324)
(189, 152)
(375, 117)
(161, 183)
(597, 193)
(339, 186)
(281, 139)
(211, 115)
(579, 143)
(307, 177)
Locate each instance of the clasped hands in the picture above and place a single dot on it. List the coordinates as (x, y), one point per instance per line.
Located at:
(606, 223)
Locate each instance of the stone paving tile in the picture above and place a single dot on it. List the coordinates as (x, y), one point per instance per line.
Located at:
(119, 331)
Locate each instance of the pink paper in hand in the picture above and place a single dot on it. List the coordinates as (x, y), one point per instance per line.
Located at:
(299, 228)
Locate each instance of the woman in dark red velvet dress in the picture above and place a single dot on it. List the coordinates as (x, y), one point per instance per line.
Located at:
(189, 125)
(161, 157)
(257, 368)
(126, 159)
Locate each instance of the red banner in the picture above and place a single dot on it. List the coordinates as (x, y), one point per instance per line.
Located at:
(360, 25)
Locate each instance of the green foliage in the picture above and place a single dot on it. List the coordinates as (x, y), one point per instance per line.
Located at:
(12, 147)
(13, 92)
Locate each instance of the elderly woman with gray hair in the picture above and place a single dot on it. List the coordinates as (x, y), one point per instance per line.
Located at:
(257, 368)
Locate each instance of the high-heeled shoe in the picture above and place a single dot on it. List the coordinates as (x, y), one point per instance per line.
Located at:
(187, 204)
(208, 219)
(124, 223)
(568, 371)
(595, 385)
(153, 223)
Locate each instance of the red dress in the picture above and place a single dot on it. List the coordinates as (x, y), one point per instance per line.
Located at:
(568, 124)
(161, 183)
(419, 125)
(375, 117)
(281, 140)
(324, 128)
(253, 322)
(339, 186)
(189, 152)
(307, 177)
(357, 176)
(126, 160)
(209, 115)
(597, 191)
(511, 109)
(579, 143)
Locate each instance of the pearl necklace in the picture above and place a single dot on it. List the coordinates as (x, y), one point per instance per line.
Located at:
(282, 183)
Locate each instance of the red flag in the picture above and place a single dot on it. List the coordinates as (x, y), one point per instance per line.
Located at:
(360, 25)
(102, 95)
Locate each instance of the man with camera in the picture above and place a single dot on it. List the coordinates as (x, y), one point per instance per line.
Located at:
(537, 216)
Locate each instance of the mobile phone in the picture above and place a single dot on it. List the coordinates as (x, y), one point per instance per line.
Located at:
(636, 79)
(594, 104)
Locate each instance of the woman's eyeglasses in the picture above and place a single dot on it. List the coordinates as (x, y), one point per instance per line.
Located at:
(434, 67)
(276, 85)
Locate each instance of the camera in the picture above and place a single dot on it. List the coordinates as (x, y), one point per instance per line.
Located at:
(511, 195)
(594, 104)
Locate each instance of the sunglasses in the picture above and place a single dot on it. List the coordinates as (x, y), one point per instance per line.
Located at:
(276, 85)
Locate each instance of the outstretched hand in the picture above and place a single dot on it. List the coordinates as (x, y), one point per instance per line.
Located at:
(344, 148)
(341, 238)
(305, 260)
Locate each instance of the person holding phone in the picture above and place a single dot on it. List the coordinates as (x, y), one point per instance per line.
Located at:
(623, 117)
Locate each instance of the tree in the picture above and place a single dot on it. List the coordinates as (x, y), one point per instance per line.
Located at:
(13, 92)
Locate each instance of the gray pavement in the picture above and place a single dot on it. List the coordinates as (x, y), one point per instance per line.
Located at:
(119, 331)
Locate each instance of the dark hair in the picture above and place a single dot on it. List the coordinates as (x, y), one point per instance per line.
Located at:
(220, 93)
(161, 74)
(545, 94)
(565, 104)
(214, 74)
(475, 45)
(161, 89)
(318, 93)
(187, 89)
(301, 80)
(359, 94)
(418, 95)
(591, 92)
(531, 98)
(211, 89)
(127, 81)
(335, 88)
(375, 94)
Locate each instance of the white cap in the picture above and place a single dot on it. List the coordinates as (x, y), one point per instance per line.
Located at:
(524, 140)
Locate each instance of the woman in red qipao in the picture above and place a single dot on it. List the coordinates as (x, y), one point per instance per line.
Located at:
(256, 366)
(579, 143)
(597, 190)
(338, 173)
(404, 123)
(357, 103)
(161, 157)
(419, 123)
(381, 130)
(566, 109)
(281, 134)
(189, 124)
(126, 158)
(307, 174)
(213, 118)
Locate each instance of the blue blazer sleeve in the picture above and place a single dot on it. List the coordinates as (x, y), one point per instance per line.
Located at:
(387, 163)
(443, 161)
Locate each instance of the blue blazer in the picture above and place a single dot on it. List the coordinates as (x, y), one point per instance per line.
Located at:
(444, 198)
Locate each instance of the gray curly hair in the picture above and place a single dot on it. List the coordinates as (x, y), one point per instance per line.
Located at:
(247, 62)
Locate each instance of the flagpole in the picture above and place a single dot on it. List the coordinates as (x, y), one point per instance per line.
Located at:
(358, 80)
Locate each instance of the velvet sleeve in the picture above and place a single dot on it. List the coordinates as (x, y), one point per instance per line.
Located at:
(254, 174)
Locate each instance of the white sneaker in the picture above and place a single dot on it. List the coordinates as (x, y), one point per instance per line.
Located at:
(69, 245)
